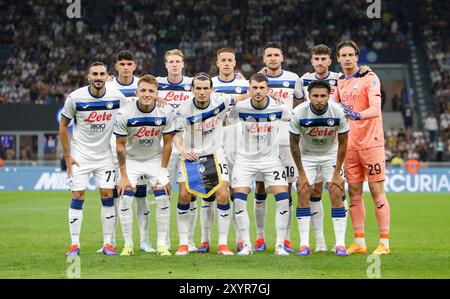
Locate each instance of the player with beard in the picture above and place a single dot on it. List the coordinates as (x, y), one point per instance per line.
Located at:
(93, 109)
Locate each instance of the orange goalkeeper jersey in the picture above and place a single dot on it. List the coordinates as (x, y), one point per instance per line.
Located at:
(361, 92)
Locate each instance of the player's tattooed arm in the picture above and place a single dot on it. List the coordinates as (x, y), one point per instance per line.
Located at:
(124, 182)
(64, 137)
(302, 181)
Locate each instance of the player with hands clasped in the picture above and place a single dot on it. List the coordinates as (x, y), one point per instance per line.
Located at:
(198, 123)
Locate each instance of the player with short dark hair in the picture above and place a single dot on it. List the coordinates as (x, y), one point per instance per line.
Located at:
(227, 82)
(258, 156)
(321, 61)
(198, 123)
(94, 107)
(321, 129)
(126, 83)
(281, 83)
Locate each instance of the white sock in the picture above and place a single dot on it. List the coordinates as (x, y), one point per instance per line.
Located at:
(183, 220)
(192, 220)
(339, 217)
(242, 220)
(385, 242)
(304, 220)
(206, 219)
(344, 199)
(361, 241)
(291, 216)
(108, 215)
(281, 220)
(116, 221)
(126, 218)
(168, 243)
(142, 211)
(224, 218)
(75, 220)
(162, 219)
(260, 207)
(317, 220)
(233, 221)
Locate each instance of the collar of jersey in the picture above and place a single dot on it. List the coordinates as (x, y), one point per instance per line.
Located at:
(352, 76)
(132, 80)
(168, 81)
(315, 76)
(137, 105)
(209, 103)
(282, 71)
(268, 101)
(312, 109)
(89, 90)
(223, 81)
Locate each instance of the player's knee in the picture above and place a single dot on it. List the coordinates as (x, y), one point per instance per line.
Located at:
(222, 196)
(79, 195)
(336, 198)
(184, 197)
(355, 189)
(106, 193)
(376, 188)
(317, 191)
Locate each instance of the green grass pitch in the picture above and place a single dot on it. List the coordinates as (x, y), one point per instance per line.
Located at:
(34, 236)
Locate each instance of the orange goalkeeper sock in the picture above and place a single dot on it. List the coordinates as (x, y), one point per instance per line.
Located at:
(358, 214)
(383, 214)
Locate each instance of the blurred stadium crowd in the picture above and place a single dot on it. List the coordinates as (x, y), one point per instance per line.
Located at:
(49, 52)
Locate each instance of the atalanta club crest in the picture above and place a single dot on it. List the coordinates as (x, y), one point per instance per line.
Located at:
(109, 105)
(201, 169)
(272, 116)
(330, 122)
(286, 83)
(158, 122)
(238, 90)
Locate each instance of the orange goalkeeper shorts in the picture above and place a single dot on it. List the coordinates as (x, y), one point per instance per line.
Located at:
(366, 164)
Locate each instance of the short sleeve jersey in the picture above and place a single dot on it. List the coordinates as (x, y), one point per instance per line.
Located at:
(260, 129)
(284, 86)
(202, 127)
(307, 78)
(144, 130)
(232, 87)
(318, 133)
(175, 94)
(94, 119)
